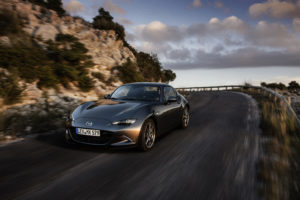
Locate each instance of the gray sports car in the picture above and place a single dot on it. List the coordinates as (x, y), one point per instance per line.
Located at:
(133, 115)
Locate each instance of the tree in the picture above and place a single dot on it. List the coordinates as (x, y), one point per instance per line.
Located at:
(103, 14)
(149, 66)
(128, 72)
(168, 75)
(263, 84)
(293, 85)
(56, 5)
(104, 21)
(279, 86)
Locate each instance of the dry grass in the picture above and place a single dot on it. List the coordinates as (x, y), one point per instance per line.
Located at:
(278, 167)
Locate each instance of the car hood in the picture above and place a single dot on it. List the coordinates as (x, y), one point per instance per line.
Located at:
(109, 110)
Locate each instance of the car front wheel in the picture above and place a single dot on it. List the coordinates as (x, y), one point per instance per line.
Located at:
(185, 118)
(147, 135)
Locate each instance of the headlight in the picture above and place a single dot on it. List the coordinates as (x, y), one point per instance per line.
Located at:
(124, 122)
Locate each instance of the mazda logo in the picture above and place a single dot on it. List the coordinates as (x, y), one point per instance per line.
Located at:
(89, 123)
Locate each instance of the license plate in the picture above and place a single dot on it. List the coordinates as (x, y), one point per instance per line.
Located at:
(88, 132)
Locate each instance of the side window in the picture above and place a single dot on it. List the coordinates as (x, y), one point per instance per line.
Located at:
(169, 92)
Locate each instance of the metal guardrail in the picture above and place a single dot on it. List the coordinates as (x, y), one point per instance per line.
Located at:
(263, 90)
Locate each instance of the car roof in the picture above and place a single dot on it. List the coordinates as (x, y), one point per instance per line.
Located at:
(148, 83)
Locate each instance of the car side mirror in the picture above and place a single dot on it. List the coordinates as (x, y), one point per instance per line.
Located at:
(172, 99)
(107, 96)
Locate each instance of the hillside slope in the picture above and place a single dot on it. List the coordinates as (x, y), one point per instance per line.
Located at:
(50, 62)
(43, 25)
(46, 53)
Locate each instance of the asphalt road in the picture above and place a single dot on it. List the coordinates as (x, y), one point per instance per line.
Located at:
(214, 158)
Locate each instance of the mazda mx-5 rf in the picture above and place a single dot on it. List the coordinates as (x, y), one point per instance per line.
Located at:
(133, 115)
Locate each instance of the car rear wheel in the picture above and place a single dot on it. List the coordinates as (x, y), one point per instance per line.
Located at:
(147, 135)
(185, 118)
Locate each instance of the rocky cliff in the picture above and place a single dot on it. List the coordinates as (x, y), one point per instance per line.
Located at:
(50, 63)
(43, 25)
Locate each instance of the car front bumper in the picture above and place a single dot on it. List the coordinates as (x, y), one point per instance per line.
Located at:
(122, 137)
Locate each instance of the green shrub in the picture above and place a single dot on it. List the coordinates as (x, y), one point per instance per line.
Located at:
(25, 58)
(64, 60)
(9, 89)
(9, 23)
(98, 76)
(85, 83)
(279, 86)
(128, 72)
(55, 5)
(47, 77)
(65, 38)
(110, 80)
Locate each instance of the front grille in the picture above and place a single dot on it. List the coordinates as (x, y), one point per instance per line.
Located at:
(105, 137)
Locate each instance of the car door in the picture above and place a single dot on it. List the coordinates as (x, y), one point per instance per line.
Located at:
(170, 110)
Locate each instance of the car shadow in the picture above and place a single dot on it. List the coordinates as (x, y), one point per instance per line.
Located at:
(57, 139)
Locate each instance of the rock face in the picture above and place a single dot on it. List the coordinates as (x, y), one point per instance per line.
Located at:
(5, 41)
(103, 46)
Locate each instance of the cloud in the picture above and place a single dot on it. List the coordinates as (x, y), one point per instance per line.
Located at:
(221, 43)
(73, 6)
(196, 4)
(179, 54)
(157, 32)
(124, 21)
(112, 7)
(219, 4)
(274, 35)
(216, 27)
(244, 57)
(296, 25)
(275, 9)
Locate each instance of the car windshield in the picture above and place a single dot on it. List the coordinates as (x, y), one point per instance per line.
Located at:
(137, 92)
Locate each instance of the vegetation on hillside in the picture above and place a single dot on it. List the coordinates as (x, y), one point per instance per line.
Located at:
(147, 68)
(104, 21)
(55, 5)
(62, 61)
(9, 23)
(10, 91)
(65, 59)
(292, 86)
(278, 167)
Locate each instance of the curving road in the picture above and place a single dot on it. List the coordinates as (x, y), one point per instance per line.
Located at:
(214, 158)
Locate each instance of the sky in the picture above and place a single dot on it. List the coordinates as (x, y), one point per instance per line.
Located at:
(210, 42)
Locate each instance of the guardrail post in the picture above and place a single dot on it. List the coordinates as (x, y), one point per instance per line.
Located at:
(289, 100)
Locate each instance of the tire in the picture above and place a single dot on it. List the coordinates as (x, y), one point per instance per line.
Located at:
(147, 135)
(69, 140)
(185, 118)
